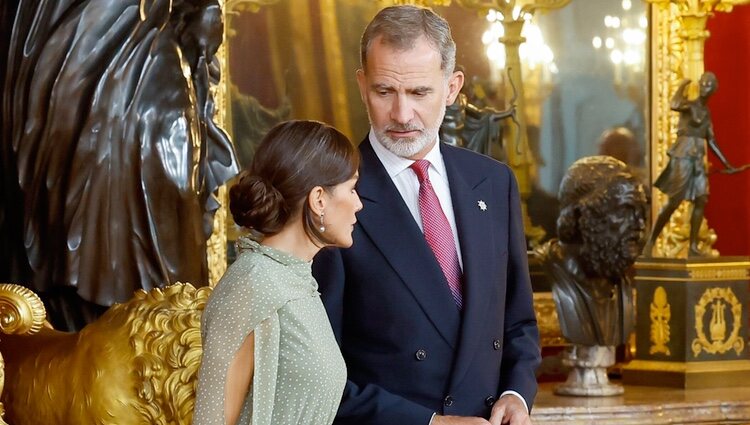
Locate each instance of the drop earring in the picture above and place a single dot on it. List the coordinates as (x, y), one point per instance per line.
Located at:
(322, 227)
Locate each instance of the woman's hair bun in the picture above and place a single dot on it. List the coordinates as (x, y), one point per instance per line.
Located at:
(256, 204)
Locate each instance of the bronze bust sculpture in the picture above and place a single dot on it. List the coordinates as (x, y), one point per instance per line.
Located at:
(685, 177)
(600, 234)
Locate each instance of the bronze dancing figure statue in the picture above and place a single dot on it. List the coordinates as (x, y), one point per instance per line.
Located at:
(685, 177)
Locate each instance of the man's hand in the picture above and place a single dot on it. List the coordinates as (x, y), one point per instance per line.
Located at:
(459, 420)
(509, 409)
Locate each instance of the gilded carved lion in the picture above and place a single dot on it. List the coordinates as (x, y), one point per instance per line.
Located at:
(137, 364)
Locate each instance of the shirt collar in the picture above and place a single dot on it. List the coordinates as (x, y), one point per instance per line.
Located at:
(296, 265)
(395, 165)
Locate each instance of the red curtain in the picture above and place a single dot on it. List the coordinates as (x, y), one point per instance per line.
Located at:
(728, 56)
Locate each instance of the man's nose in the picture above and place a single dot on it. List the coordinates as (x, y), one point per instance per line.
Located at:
(401, 111)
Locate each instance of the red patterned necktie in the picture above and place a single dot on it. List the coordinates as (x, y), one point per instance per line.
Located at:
(437, 230)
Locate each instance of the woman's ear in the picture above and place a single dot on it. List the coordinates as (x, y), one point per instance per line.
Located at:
(317, 200)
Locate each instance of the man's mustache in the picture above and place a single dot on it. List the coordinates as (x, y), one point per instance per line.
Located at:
(404, 127)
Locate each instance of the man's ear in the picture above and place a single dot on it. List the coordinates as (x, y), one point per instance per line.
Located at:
(455, 82)
(316, 200)
(362, 83)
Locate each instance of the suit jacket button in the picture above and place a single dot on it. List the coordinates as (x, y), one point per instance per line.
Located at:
(496, 344)
(448, 402)
(420, 354)
(489, 401)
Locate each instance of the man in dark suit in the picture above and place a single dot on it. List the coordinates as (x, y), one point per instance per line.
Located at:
(432, 305)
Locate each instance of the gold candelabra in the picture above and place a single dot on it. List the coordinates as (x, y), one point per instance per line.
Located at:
(514, 14)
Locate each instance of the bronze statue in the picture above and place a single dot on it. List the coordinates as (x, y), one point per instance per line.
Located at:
(110, 154)
(474, 128)
(600, 235)
(685, 177)
(600, 229)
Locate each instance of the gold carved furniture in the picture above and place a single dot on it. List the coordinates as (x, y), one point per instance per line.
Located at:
(136, 364)
(21, 313)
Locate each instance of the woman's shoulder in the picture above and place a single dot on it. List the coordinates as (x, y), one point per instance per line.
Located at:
(249, 272)
(248, 292)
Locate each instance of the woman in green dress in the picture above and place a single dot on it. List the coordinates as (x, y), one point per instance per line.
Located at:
(269, 354)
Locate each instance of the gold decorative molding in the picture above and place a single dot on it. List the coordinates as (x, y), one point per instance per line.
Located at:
(690, 367)
(21, 310)
(247, 5)
(216, 246)
(718, 273)
(547, 321)
(21, 313)
(217, 243)
(424, 3)
(687, 375)
(717, 300)
(660, 314)
(2, 383)
(698, 271)
(678, 34)
(645, 264)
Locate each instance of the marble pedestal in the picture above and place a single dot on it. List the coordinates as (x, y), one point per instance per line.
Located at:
(691, 323)
(588, 374)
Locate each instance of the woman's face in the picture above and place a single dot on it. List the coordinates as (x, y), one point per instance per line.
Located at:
(339, 217)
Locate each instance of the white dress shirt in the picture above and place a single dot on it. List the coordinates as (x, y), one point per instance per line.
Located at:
(407, 184)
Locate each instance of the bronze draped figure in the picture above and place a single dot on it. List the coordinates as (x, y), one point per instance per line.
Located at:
(685, 178)
(474, 128)
(109, 151)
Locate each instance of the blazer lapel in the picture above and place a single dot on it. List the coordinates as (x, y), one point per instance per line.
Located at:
(387, 221)
(467, 190)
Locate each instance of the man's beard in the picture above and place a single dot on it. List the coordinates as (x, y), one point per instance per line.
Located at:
(607, 254)
(408, 147)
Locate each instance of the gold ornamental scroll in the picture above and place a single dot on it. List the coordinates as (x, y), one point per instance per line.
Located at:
(21, 313)
(678, 34)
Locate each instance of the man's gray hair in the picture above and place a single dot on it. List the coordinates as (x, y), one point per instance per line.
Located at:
(401, 26)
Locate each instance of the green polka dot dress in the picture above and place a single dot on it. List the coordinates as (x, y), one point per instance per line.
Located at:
(299, 371)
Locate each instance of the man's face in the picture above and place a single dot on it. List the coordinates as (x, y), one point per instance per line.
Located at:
(613, 233)
(406, 93)
(628, 219)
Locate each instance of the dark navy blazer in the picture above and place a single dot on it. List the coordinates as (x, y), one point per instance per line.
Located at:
(409, 350)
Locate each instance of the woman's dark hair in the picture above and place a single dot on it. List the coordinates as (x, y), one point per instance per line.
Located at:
(292, 159)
